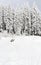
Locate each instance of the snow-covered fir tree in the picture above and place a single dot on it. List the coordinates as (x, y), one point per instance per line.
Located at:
(35, 20)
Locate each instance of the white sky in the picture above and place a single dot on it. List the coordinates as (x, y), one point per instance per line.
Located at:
(15, 3)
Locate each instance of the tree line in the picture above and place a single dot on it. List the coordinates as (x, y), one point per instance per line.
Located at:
(21, 21)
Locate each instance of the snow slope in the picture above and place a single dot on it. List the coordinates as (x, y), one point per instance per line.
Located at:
(24, 50)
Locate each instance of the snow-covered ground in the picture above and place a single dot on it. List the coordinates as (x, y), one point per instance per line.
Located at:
(24, 50)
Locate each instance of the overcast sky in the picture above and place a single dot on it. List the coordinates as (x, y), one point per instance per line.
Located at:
(15, 3)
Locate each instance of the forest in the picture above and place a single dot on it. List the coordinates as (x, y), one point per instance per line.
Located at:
(22, 21)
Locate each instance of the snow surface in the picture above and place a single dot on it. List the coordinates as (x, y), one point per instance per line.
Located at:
(24, 50)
